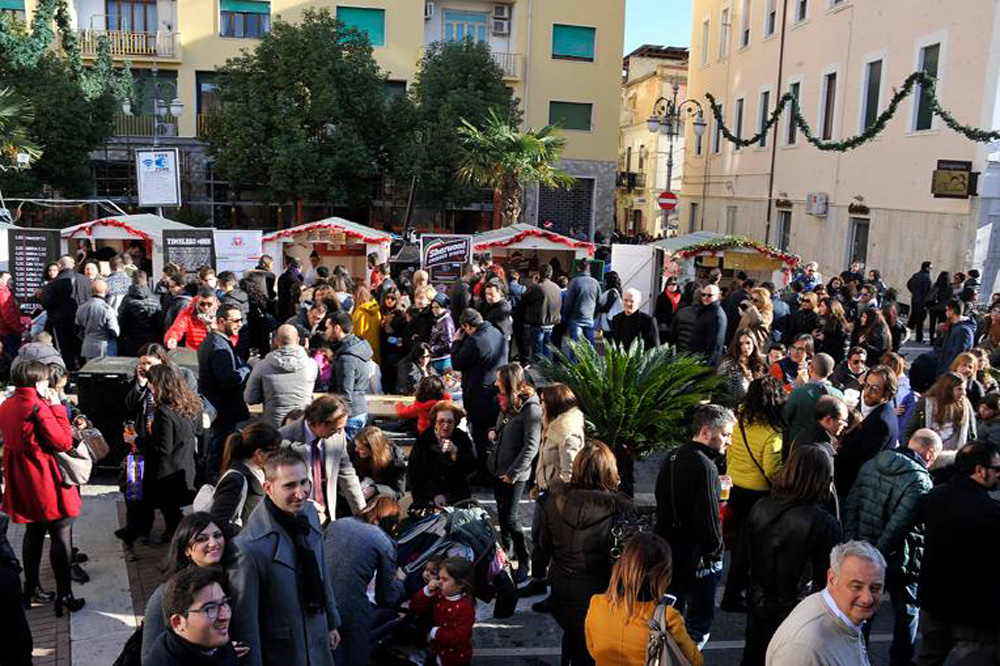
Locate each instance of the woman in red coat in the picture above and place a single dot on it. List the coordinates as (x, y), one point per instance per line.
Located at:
(35, 426)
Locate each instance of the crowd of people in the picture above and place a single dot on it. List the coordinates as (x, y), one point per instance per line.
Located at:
(830, 468)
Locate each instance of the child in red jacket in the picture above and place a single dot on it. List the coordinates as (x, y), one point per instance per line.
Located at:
(449, 601)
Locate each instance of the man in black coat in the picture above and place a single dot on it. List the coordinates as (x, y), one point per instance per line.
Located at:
(919, 285)
(478, 352)
(731, 306)
(688, 492)
(878, 431)
(140, 317)
(631, 323)
(959, 592)
(709, 335)
(60, 300)
(292, 275)
(460, 292)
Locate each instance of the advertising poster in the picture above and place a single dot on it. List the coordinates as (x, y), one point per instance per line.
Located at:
(442, 255)
(237, 251)
(30, 251)
(159, 177)
(189, 248)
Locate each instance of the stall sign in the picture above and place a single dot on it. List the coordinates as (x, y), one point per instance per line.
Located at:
(237, 251)
(442, 255)
(31, 250)
(189, 248)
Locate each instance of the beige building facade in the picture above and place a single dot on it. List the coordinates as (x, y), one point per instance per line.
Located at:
(844, 59)
(648, 76)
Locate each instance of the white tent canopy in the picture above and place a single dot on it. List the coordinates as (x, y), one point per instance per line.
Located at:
(334, 233)
(144, 227)
(529, 237)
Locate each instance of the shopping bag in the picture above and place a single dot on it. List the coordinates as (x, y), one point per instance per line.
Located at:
(133, 477)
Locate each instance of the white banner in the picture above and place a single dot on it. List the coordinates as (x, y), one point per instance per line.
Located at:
(237, 251)
(159, 177)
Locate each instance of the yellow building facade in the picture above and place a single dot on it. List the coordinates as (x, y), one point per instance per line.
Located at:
(561, 58)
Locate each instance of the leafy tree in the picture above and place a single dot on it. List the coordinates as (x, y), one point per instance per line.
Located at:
(502, 157)
(307, 115)
(456, 81)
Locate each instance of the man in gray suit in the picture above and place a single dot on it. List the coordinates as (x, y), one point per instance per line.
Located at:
(319, 438)
(285, 610)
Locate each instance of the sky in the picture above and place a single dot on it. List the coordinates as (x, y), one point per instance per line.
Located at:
(662, 22)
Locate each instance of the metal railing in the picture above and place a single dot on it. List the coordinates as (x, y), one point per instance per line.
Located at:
(509, 63)
(145, 124)
(127, 43)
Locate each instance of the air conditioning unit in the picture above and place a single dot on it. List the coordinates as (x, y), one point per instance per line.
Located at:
(817, 203)
(428, 10)
(501, 27)
(501, 12)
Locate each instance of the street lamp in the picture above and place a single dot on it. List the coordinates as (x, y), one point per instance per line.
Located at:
(668, 119)
(164, 104)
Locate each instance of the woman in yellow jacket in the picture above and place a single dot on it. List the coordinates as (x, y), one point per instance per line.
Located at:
(367, 318)
(617, 623)
(753, 456)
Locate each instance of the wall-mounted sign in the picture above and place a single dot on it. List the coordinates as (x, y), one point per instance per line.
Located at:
(954, 179)
(159, 176)
(237, 251)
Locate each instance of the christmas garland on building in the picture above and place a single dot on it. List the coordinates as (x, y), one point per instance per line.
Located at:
(926, 85)
(728, 242)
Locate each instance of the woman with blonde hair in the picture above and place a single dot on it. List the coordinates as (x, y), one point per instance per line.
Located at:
(757, 317)
(966, 365)
(367, 319)
(617, 625)
(984, 370)
(945, 410)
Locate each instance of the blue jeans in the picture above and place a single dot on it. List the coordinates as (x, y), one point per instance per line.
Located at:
(540, 336)
(697, 603)
(575, 328)
(354, 424)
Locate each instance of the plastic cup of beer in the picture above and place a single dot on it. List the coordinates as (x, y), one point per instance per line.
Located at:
(130, 429)
(727, 484)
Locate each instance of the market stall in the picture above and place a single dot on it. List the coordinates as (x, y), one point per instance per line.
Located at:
(119, 232)
(529, 247)
(336, 240)
(686, 257)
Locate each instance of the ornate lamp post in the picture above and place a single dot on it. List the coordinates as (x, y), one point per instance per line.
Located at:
(668, 119)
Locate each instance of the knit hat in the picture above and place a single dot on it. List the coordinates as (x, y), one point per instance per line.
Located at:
(441, 299)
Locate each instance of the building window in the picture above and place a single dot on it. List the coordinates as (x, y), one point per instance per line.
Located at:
(144, 84)
(829, 104)
(642, 158)
(792, 131)
(706, 38)
(459, 25)
(745, 23)
(730, 220)
(12, 9)
(573, 42)
(738, 127)
(859, 240)
(694, 216)
(208, 100)
(770, 17)
(394, 88)
(801, 10)
(565, 208)
(717, 135)
(245, 18)
(765, 109)
(784, 230)
(724, 33)
(873, 88)
(127, 15)
(571, 115)
(368, 21)
(628, 159)
(929, 57)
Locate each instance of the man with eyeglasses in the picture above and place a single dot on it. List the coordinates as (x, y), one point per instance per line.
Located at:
(830, 420)
(285, 609)
(197, 612)
(849, 373)
(222, 375)
(958, 590)
(709, 335)
(878, 431)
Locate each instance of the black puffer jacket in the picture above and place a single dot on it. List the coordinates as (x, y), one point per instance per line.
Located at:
(238, 298)
(498, 314)
(682, 327)
(784, 552)
(141, 320)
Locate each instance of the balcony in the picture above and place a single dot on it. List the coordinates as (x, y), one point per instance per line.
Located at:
(509, 63)
(126, 44)
(631, 180)
(145, 124)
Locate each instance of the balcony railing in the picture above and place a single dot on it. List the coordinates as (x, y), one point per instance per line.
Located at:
(145, 124)
(631, 180)
(510, 63)
(125, 43)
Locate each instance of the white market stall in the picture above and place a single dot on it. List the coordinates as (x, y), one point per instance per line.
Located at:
(535, 246)
(336, 240)
(685, 256)
(116, 233)
(4, 246)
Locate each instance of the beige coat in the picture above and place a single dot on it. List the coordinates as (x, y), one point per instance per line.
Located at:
(561, 441)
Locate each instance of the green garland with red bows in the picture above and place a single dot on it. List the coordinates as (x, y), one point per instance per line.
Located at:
(723, 243)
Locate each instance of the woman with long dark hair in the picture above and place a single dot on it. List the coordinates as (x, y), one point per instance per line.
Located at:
(380, 464)
(945, 409)
(413, 368)
(742, 364)
(197, 542)
(874, 335)
(784, 551)
(390, 341)
(35, 426)
(834, 336)
(609, 303)
(168, 475)
(241, 486)
(514, 443)
(941, 293)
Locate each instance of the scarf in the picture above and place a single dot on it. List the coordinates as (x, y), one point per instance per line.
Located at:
(310, 581)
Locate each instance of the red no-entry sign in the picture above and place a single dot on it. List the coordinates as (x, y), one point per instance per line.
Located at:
(667, 200)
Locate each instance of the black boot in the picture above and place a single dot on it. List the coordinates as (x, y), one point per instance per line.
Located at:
(37, 596)
(68, 602)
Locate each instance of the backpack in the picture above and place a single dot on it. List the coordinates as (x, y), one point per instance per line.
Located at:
(205, 498)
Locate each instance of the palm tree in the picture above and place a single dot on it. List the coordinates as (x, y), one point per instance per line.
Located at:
(635, 401)
(16, 115)
(506, 159)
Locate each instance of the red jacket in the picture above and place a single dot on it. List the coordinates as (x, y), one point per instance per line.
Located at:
(453, 621)
(421, 411)
(10, 314)
(35, 492)
(187, 326)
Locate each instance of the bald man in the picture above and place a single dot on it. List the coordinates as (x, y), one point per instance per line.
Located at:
(97, 324)
(284, 379)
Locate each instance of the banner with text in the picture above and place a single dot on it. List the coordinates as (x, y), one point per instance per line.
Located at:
(189, 248)
(237, 251)
(442, 255)
(30, 251)
(159, 177)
